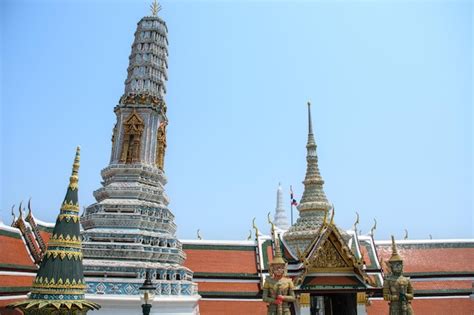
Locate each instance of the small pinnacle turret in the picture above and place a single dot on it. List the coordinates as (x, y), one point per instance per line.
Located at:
(59, 285)
(314, 205)
(281, 220)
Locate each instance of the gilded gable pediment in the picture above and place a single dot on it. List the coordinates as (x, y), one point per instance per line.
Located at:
(327, 256)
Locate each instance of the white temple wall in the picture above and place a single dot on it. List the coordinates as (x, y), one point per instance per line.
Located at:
(132, 305)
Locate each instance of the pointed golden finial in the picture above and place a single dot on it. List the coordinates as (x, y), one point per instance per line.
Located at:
(199, 237)
(254, 225)
(155, 7)
(74, 179)
(372, 230)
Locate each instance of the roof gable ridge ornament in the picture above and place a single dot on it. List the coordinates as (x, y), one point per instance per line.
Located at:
(30, 212)
(374, 227)
(333, 212)
(13, 215)
(272, 231)
(356, 222)
(254, 226)
(277, 258)
(198, 234)
(21, 212)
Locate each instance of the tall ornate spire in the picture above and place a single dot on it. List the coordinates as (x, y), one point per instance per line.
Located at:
(281, 220)
(59, 284)
(147, 70)
(130, 227)
(313, 205)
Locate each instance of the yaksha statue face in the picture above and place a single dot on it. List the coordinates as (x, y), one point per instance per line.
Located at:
(278, 270)
(396, 267)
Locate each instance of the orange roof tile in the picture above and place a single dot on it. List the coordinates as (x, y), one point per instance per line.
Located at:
(432, 259)
(443, 306)
(368, 256)
(16, 281)
(221, 261)
(228, 287)
(213, 307)
(45, 235)
(14, 252)
(442, 285)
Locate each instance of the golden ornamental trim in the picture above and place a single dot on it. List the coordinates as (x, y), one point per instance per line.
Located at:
(57, 292)
(70, 206)
(64, 243)
(39, 304)
(51, 286)
(73, 238)
(142, 98)
(305, 300)
(69, 217)
(63, 254)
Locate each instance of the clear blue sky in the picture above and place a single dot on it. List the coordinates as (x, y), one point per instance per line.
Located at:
(390, 83)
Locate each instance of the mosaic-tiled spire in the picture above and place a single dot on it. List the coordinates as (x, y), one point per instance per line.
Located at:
(281, 220)
(59, 283)
(130, 230)
(147, 70)
(313, 205)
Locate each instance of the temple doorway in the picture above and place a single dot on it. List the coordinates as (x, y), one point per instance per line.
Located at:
(334, 304)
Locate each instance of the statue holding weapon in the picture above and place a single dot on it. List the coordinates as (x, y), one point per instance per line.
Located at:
(278, 290)
(397, 289)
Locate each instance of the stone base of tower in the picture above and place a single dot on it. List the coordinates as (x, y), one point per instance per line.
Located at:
(132, 305)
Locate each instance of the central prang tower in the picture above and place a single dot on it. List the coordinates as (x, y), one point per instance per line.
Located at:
(130, 229)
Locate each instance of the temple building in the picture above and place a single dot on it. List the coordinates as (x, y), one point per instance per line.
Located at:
(129, 232)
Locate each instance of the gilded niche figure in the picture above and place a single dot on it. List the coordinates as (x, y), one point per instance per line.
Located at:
(397, 288)
(278, 290)
(133, 129)
(161, 145)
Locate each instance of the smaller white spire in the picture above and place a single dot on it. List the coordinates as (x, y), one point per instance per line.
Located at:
(281, 220)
